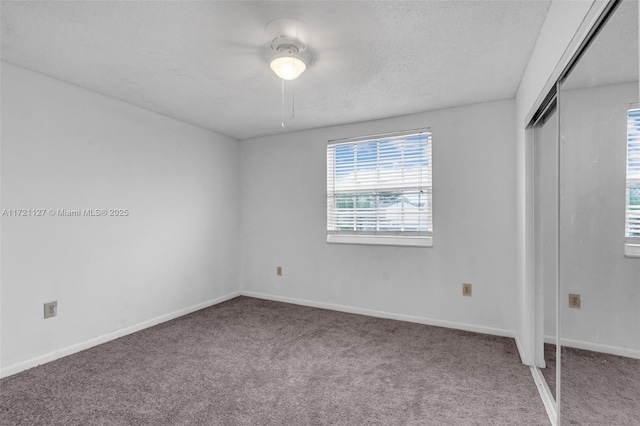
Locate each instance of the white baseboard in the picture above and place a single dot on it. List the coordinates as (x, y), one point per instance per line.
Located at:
(545, 394)
(33, 362)
(595, 347)
(381, 314)
(51, 356)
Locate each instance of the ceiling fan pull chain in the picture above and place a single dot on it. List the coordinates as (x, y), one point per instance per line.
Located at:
(283, 104)
(293, 91)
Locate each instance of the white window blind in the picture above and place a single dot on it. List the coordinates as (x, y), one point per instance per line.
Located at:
(380, 187)
(633, 177)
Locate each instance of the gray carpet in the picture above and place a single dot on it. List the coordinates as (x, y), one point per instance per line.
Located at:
(599, 389)
(256, 362)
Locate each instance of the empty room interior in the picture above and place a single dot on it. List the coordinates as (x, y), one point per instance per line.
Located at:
(318, 212)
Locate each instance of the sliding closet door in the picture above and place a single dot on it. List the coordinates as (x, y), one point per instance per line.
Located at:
(599, 274)
(545, 230)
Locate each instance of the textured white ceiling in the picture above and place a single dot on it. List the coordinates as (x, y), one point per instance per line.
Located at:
(203, 62)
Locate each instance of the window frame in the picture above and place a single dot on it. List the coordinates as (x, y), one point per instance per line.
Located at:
(383, 238)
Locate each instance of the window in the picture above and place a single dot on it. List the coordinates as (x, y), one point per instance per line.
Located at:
(632, 228)
(632, 211)
(379, 190)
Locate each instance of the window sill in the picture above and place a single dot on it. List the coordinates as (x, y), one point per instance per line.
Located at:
(380, 240)
(632, 250)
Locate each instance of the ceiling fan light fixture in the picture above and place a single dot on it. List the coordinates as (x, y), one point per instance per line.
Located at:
(287, 66)
(290, 55)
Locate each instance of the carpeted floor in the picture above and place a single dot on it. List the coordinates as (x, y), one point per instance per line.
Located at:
(597, 388)
(254, 362)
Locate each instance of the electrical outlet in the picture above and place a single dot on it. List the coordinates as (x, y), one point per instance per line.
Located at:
(50, 309)
(574, 301)
(466, 289)
(279, 271)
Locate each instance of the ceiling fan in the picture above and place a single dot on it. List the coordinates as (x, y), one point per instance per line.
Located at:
(286, 50)
(290, 55)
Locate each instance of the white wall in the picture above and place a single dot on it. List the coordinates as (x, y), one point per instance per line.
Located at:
(563, 25)
(284, 223)
(593, 264)
(67, 148)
